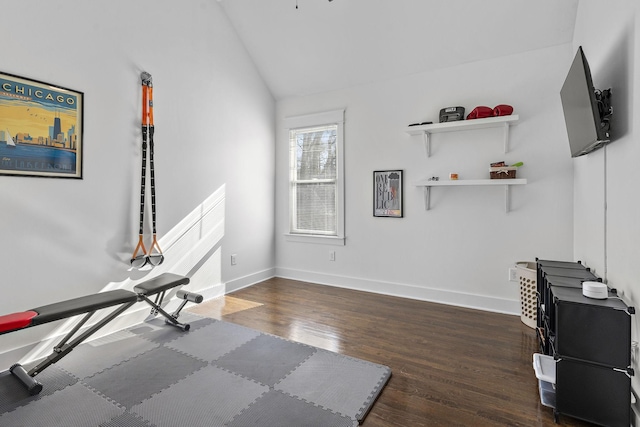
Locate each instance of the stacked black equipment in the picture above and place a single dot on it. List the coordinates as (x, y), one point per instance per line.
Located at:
(590, 342)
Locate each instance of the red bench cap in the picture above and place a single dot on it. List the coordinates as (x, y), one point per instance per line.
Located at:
(10, 322)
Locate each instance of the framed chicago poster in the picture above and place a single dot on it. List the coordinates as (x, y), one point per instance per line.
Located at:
(387, 193)
(40, 129)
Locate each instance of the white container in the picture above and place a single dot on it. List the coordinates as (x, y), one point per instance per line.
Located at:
(597, 290)
(547, 394)
(545, 368)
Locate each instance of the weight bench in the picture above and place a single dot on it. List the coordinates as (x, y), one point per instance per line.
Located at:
(119, 299)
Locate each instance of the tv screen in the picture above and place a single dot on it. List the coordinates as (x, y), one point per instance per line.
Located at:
(587, 129)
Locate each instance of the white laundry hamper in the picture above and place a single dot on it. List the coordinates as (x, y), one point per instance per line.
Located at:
(527, 276)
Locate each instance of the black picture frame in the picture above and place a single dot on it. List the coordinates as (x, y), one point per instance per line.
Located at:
(41, 129)
(388, 193)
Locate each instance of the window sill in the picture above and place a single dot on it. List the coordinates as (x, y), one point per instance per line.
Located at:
(322, 240)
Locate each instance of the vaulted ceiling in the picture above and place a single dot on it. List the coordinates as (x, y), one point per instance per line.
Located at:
(308, 46)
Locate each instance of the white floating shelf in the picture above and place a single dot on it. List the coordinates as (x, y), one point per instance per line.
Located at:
(461, 125)
(463, 182)
(507, 183)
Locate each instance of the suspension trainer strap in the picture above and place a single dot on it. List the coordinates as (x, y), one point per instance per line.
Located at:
(154, 255)
(141, 259)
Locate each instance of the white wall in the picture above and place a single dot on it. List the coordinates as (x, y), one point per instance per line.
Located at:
(214, 120)
(607, 237)
(459, 251)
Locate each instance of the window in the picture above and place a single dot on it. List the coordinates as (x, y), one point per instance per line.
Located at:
(316, 207)
(313, 180)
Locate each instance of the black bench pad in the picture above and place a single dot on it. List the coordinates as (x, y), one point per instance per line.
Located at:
(161, 283)
(86, 304)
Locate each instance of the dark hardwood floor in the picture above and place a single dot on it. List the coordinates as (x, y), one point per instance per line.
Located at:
(450, 366)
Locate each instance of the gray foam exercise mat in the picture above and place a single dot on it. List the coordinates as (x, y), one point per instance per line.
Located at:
(216, 374)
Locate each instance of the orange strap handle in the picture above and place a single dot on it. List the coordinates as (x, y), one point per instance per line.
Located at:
(154, 244)
(145, 105)
(138, 247)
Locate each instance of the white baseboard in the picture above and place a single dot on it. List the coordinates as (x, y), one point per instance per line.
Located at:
(251, 279)
(441, 296)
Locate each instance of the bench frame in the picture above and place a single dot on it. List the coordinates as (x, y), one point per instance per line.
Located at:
(157, 286)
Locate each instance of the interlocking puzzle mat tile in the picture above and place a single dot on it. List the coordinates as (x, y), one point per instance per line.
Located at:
(136, 379)
(213, 341)
(13, 394)
(266, 359)
(127, 420)
(276, 409)
(74, 406)
(314, 381)
(96, 356)
(209, 397)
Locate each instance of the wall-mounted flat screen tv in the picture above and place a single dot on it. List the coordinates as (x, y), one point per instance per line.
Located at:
(586, 110)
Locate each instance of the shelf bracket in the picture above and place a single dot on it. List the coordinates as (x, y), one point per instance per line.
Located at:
(507, 200)
(427, 198)
(505, 133)
(427, 143)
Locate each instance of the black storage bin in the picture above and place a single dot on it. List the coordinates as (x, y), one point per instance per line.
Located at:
(593, 393)
(543, 267)
(562, 275)
(589, 329)
(562, 282)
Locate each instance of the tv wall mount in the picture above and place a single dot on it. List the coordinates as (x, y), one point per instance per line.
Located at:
(603, 98)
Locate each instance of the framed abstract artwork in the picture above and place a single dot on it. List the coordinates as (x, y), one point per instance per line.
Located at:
(387, 193)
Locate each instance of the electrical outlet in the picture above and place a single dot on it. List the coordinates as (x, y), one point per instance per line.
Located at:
(332, 255)
(234, 259)
(513, 275)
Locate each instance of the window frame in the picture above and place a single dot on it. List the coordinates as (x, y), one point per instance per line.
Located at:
(327, 118)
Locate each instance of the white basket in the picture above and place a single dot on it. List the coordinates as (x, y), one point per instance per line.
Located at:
(528, 287)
